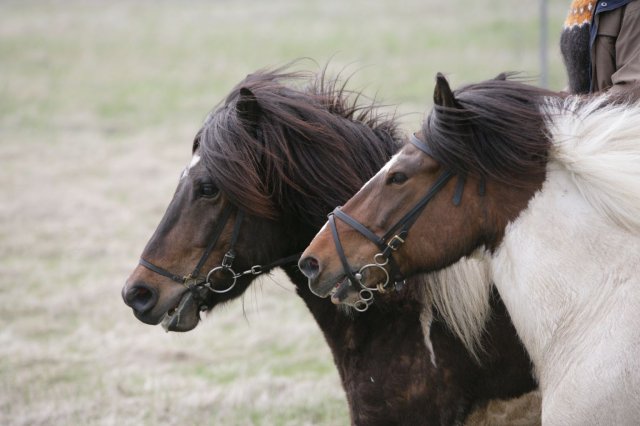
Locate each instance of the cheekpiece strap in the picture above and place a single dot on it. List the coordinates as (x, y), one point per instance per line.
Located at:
(457, 195)
(340, 249)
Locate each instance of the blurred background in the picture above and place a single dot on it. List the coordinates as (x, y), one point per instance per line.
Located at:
(99, 103)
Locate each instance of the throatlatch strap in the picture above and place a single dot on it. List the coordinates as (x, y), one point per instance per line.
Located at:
(457, 195)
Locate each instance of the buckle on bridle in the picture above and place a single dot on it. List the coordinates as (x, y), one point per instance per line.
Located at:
(227, 260)
(395, 242)
(189, 281)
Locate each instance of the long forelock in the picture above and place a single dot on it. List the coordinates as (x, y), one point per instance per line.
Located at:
(497, 130)
(312, 148)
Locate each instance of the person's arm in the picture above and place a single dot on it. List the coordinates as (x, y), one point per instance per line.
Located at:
(627, 51)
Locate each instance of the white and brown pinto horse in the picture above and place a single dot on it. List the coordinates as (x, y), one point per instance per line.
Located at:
(545, 191)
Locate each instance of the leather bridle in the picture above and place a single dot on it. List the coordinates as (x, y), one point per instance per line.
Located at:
(392, 239)
(194, 282)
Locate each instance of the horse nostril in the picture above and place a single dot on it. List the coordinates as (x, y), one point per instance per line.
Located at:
(309, 266)
(141, 298)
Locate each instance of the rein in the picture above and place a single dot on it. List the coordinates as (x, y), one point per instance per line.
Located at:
(392, 239)
(194, 282)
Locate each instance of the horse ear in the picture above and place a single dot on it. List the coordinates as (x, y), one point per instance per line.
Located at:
(442, 95)
(248, 108)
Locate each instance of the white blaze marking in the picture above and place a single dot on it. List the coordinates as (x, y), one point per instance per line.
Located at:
(392, 161)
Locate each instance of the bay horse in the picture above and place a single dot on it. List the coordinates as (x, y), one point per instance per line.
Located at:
(267, 165)
(545, 190)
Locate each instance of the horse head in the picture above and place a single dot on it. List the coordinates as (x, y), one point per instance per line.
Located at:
(199, 254)
(449, 191)
(266, 166)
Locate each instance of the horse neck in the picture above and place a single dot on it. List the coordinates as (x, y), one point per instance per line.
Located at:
(566, 275)
(380, 356)
(385, 347)
(502, 204)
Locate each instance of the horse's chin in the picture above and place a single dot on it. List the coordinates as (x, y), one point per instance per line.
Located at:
(184, 317)
(344, 293)
(322, 287)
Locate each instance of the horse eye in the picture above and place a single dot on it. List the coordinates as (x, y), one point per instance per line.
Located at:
(397, 178)
(208, 190)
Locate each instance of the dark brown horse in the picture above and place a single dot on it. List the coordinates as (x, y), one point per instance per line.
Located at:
(544, 190)
(268, 165)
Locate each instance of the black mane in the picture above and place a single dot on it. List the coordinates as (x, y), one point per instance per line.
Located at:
(496, 129)
(309, 148)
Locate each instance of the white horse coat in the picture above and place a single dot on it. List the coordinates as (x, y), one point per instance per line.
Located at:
(568, 269)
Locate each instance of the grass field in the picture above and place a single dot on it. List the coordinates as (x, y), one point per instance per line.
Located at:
(99, 102)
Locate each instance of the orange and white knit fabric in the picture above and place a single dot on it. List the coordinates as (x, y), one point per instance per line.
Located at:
(580, 13)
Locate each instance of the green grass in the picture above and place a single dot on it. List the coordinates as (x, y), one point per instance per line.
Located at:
(132, 64)
(98, 104)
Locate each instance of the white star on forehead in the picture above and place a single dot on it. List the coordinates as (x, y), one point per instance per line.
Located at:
(194, 160)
